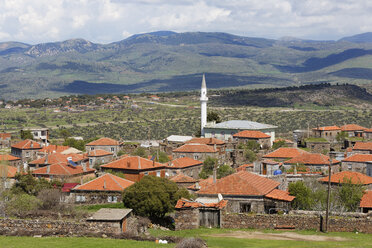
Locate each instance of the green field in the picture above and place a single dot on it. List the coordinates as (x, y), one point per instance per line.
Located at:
(209, 235)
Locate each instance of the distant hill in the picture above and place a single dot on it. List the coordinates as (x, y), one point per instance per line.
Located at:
(169, 61)
(359, 38)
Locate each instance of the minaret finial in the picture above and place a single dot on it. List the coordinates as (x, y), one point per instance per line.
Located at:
(204, 85)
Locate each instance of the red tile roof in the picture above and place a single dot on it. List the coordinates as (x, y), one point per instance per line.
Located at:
(184, 203)
(281, 195)
(61, 169)
(195, 148)
(184, 162)
(205, 141)
(251, 135)
(58, 158)
(53, 148)
(327, 128)
(285, 140)
(311, 159)
(285, 152)
(98, 153)
(369, 130)
(356, 178)
(269, 161)
(132, 163)
(240, 183)
(366, 201)
(182, 178)
(244, 167)
(202, 183)
(5, 135)
(106, 182)
(363, 146)
(9, 171)
(68, 186)
(8, 157)
(27, 144)
(103, 142)
(361, 158)
(352, 127)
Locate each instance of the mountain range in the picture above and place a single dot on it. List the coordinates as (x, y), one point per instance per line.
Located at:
(168, 61)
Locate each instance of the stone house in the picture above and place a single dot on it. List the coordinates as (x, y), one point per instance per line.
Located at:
(98, 157)
(329, 132)
(53, 158)
(196, 151)
(248, 192)
(269, 166)
(11, 160)
(349, 176)
(353, 130)
(314, 162)
(107, 188)
(182, 180)
(51, 149)
(287, 143)
(5, 140)
(173, 142)
(106, 144)
(185, 165)
(318, 145)
(246, 167)
(366, 202)
(40, 134)
(284, 153)
(118, 219)
(363, 147)
(219, 144)
(9, 173)
(264, 140)
(135, 167)
(64, 172)
(26, 150)
(367, 134)
(356, 162)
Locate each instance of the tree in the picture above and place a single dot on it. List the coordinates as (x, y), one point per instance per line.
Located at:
(278, 144)
(250, 155)
(350, 194)
(224, 170)
(27, 184)
(341, 136)
(160, 157)
(208, 166)
(153, 196)
(140, 151)
(302, 193)
(78, 144)
(26, 134)
(64, 134)
(21, 204)
(252, 145)
(213, 116)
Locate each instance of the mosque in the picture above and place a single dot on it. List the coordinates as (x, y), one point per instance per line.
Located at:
(225, 130)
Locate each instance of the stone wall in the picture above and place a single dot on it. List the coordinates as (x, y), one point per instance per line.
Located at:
(299, 222)
(186, 219)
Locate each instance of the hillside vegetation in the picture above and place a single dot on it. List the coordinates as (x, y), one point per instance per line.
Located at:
(169, 61)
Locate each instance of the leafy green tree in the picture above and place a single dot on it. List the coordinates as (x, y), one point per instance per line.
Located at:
(341, 136)
(21, 204)
(64, 133)
(303, 195)
(78, 144)
(208, 166)
(213, 116)
(27, 184)
(160, 157)
(153, 196)
(224, 170)
(350, 194)
(140, 151)
(26, 134)
(250, 155)
(278, 144)
(252, 145)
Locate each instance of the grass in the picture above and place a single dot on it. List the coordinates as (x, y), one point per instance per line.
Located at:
(57, 242)
(353, 240)
(96, 207)
(315, 139)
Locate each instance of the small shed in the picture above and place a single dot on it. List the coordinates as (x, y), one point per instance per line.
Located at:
(116, 218)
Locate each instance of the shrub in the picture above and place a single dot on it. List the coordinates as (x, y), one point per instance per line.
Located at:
(21, 204)
(50, 198)
(191, 243)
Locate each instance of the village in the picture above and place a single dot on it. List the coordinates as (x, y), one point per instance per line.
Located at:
(236, 171)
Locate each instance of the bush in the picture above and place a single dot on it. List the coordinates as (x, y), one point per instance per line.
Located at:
(22, 204)
(191, 243)
(49, 198)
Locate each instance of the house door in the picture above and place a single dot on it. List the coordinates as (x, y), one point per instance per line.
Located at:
(209, 218)
(264, 169)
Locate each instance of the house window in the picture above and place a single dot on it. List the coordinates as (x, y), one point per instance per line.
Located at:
(196, 157)
(182, 156)
(113, 199)
(146, 173)
(91, 148)
(27, 154)
(112, 149)
(174, 173)
(36, 134)
(245, 207)
(158, 173)
(80, 198)
(90, 161)
(349, 166)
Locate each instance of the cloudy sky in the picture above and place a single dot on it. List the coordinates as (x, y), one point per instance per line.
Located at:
(105, 21)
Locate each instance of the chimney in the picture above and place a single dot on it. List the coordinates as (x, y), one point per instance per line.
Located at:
(46, 158)
(197, 186)
(32, 145)
(48, 169)
(84, 165)
(214, 174)
(104, 184)
(139, 162)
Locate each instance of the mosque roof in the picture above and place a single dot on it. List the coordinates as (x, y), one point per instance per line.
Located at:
(242, 124)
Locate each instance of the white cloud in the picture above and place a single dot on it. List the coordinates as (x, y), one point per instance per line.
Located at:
(107, 21)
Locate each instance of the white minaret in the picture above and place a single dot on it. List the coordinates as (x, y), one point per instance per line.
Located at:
(203, 105)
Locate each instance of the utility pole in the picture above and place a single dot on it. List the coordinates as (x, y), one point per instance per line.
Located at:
(329, 193)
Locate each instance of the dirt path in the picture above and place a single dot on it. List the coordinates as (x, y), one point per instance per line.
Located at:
(277, 236)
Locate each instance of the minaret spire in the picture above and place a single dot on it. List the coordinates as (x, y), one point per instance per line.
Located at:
(203, 105)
